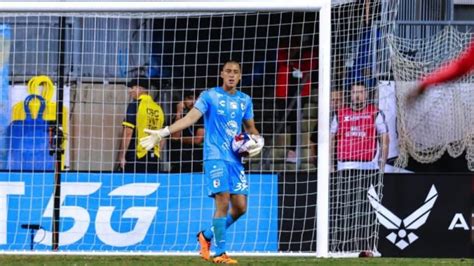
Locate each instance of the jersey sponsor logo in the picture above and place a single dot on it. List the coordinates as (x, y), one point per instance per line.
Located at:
(404, 236)
(153, 118)
(242, 106)
(216, 183)
(354, 117)
(233, 105)
(356, 131)
(216, 172)
(152, 112)
(222, 103)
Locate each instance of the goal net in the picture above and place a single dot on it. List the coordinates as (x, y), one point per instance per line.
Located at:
(426, 132)
(77, 65)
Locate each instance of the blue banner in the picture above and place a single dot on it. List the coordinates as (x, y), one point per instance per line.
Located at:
(5, 37)
(129, 212)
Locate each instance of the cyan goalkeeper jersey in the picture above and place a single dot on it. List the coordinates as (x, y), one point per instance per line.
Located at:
(223, 116)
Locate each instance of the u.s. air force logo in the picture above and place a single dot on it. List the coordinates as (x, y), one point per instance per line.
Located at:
(415, 220)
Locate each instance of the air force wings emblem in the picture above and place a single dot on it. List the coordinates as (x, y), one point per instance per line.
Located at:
(412, 222)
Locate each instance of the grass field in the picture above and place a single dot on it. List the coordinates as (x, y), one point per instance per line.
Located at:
(181, 260)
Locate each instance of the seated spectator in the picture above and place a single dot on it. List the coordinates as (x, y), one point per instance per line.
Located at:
(186, 145)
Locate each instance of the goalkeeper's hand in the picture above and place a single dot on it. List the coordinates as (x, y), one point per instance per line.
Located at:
(154, 137)
(257, 148)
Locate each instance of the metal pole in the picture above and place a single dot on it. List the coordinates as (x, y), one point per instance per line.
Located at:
(57, 137)
(450, 10)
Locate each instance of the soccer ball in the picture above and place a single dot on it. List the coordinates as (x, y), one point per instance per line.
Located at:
(241, 144)
(366, 254)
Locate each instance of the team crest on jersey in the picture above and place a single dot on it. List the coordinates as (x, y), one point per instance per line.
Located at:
(242, 106)
(231, 128)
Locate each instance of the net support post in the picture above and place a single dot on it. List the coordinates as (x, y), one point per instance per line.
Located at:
(324, 138)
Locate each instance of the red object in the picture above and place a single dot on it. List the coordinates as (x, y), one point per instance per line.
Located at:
(305, 64)
(366, 254)
(457, 68)
(239, 137)
(238, 143)
(356, 134)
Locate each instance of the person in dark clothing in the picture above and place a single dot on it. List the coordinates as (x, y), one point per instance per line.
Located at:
(186, 145)
(143, 112)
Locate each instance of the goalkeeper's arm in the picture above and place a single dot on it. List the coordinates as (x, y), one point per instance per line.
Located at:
(250, 128)
(155, 136)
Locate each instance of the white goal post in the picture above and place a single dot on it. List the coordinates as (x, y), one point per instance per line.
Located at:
(169, 6)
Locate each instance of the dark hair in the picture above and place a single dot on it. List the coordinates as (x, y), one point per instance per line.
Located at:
(230, 61)
(143, 82)
(358, 83)
(189, 93)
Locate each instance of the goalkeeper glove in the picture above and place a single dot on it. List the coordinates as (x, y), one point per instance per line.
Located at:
(257, 148)
(154, 137)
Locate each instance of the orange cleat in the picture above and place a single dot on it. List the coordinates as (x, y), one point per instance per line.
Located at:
(224, 259)
(205, 246)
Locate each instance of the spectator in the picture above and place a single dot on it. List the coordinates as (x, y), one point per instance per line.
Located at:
(337, 102)
(365, 43)
(143, 112)
(355, 129)
(295, 65)
(186, 145)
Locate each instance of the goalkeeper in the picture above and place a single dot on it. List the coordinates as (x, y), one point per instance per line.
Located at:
(225, 110)
(457, 68)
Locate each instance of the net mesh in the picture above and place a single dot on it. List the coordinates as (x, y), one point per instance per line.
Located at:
(104, 208)
(360, 56)
(443, 120)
